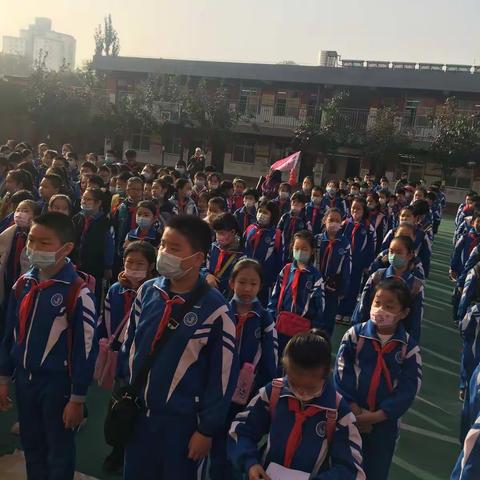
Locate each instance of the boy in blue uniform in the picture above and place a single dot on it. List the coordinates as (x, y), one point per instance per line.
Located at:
(314, 212)
(245, 215)
(192, 377)
(49, 344)
(283, 198)
(333, 199)
(148, 228)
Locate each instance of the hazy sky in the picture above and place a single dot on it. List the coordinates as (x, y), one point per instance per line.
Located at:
(266, 30)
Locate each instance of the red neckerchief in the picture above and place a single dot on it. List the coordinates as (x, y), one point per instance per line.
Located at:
(257, 236)
(327, 255)
(133, 217)
(356, 226)
(241, 320)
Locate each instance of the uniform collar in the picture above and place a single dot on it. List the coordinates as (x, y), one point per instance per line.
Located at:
(65, 275)
(164, 284)
(256, 307)
(308, 269)
(370, 331)
(327, 400)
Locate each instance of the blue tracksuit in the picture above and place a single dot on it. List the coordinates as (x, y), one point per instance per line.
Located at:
(472, 260)
(470, 294)
(216, 260)
(307, 300)
(422, 245)
(42, 362)
(362, 241)
(381, 261)
(379, 223)
(341, 460)
(336, 201)
(245, 218)
(469, 328)
(471, 404)
(283, 204)
(190, 384)
(123, 221)
(333, 260)
(266, 246)
(153, 236)
(188, 206)
(290, 224)
(468, 463)
(354, 370)
(257, 344)
(463, 248)
(314, 217)
(6, 222)
(462, 229)
(413, 279)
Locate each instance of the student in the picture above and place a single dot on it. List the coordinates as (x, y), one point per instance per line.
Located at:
(263, 242)
(333, 260)
(15, 180)
(193, 375)
(257, 346)
(15, 200)
(422, 211)
(378, 371)
(246, 215)
(283, 198)
(292, 222)
(199, 185)
(139, 262)
(465, 208)
(307, 186)
(400, 257)
(131, 161)
(120, 193)
(361, 236)
(216, 207)
(470, 358)
(50, 185)
(60, 203)
(226, 189)
(323, 442)
(202, 203)
(94, 246)
(332, 198)
(377, 219)
(181, 169)
(469, 290)
(313, 211)
(13, 259)
(160, 199)
(147, 229)
(298, 298)
(213, 181)
(239, 187)
(181, 200)
(468, 464)
(464, 246)
(52, 374)
(224, 253)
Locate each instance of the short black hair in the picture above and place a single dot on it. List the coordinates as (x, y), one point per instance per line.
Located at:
(363, 202)
(97, 194)
(399, 288)
(251, 192)
(130, 153)
(125, 176)
(149, 205)
(309, 350)
(20, 196)
(96, 180)
(219, 202)
(298, 197)
(225, 221)
(90, 165)
(33, 206)
(181, 182)
(407, 242)
(60, 224)
(245, 263)
(55, 180)
(145, 248)
(194, 229)
(431, 196)
(420, 207)
(272, 207)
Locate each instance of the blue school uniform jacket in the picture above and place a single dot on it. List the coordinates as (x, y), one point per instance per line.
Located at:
(195, 372)
(245, 217)
(379, 223)
(334, 262)
(153, 236)
(469, 330)
(462, 250)
(118, 303)
(415, 282)
(314, 217)
(472, 260)
(471, 404)
(362, 242)
(283, 204)
(337, 202)
(422, 245)
(354, 369)
(470, 293)
(216, 260)
(289, 225)
(123, 221)
(257, 342)
(187, 208)
(44, 349)
(266, 246)
(310, 301)
(341, 460)
(468, 463)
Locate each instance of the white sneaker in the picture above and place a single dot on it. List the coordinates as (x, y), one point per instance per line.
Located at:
(15, 430)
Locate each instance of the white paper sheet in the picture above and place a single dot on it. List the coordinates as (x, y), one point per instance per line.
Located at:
(277, 472)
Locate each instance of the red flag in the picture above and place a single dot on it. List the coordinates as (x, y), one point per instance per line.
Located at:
(287, 163)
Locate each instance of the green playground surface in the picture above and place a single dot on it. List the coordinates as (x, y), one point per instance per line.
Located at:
(428, 445)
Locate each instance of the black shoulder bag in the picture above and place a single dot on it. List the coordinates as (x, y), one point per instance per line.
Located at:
(125, 405)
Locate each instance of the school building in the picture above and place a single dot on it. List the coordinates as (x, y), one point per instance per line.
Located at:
(272, 100)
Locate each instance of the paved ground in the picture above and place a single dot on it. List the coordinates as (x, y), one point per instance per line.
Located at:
(428, 446)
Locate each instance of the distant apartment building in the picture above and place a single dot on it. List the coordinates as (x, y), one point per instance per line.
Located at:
(39, 37)
(272, 100)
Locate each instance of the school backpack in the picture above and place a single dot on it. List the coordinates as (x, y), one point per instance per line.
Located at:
(332, 415)
(74, 290)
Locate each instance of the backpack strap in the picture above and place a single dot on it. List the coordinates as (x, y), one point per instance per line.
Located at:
(286, 274)
(229, 262)
(277, 385)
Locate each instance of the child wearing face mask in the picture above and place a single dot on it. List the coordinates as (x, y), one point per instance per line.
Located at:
(293, 222)
(94, 248)
(400, 257)
(148, 229)
(139, 266)
(224, 253)
(257, 346)
(283, 198)
(314, 212)
(311, 430)
(263, 242)
(181, 200)
(361, 235)
(333, 260)
(239, 187)
(60, 203)
(246, 215)
(13, 259)
(332, 198)
(377, 219)
(199, 185)
(298, 299)
(379, 371)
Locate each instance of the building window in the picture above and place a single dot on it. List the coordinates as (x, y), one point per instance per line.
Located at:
(461, 178)
(280, 106)
(244, 151)
(248, 102)
(173, 145)
(141, 142)
(279, 150)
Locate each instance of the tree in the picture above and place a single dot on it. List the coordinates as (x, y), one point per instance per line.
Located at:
(106, 39)
(457, 138)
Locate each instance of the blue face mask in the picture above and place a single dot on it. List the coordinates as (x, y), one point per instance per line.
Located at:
(301, 256)
(144, 222)
(237, 299)
(396, 260)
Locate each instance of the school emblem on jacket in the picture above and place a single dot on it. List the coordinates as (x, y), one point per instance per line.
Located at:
(399, 356)
(190, 319)
(341, 251)
(320, 429)
(268, 239)
(308, 285)
(56, 300)
(258, 333)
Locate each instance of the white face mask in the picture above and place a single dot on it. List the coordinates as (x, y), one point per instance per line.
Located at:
(135, 275)
(41, 259)
(382, 318)
(147, 175)
(306, 397)
(170, 266)
(22, 219)
(333, 227)
(249, 203)
(263, 219)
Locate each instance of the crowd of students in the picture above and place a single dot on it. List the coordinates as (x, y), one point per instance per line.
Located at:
(214, 303)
